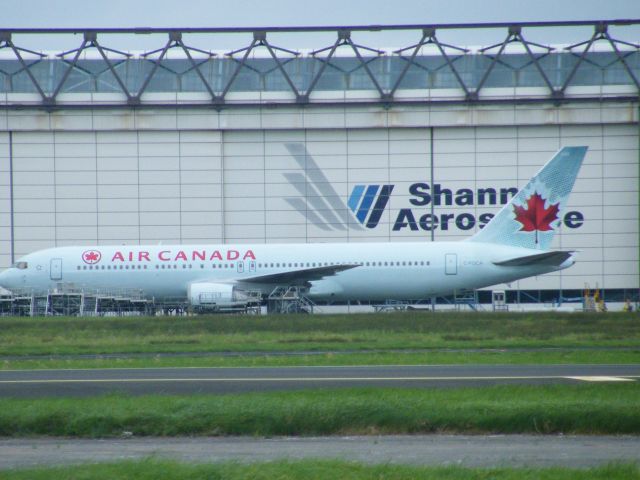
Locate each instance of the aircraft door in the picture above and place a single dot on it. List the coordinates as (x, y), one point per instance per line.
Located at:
(55, 270)
(451, 264)
(240, 267)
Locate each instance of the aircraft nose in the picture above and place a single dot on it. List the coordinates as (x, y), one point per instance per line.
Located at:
(6, 278)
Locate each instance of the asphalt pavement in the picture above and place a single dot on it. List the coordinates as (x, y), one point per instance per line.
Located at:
(462, 450)
(139, 381)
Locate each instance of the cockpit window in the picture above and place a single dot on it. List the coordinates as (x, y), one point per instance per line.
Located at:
(21, 265)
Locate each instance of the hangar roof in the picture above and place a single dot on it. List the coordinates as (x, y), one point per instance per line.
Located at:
(430, 70)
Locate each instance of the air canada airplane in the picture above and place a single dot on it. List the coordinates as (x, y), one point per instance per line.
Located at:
(513, 245)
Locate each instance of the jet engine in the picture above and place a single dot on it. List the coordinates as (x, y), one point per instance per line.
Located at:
(214, 295)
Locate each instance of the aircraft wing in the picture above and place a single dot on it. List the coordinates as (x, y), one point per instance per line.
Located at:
(556, 258)
(299, 277)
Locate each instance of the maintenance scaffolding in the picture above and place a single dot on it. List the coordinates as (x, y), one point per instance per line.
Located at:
(291, 299)
(69, 300)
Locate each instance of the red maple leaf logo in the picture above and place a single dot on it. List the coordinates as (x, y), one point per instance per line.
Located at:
(535, 217)
(91, 257)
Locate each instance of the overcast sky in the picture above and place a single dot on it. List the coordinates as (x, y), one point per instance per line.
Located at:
(264, 13)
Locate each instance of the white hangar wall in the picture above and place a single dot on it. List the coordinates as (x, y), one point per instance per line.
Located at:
(282, 175)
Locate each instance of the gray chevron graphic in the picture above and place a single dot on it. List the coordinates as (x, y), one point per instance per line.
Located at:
(320, 203)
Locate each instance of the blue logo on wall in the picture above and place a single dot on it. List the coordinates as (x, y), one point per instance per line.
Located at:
(367, 202)
(326, 210)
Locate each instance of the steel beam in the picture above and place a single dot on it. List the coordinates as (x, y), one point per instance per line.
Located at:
(327, 28)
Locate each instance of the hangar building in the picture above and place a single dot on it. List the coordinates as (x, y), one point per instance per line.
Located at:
(191, 143)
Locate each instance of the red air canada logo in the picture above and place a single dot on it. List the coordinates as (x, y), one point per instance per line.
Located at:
(535, 217)
(91, 256)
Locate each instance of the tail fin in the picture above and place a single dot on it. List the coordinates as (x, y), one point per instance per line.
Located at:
(532, 217)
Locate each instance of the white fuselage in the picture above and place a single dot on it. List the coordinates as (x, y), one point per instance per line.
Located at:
(384, 271)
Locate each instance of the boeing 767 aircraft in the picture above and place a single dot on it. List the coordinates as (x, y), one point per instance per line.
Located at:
(513, 245)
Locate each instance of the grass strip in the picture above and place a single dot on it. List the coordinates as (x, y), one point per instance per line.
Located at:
(501, 357)
(154, 469)
(401, 330)
(579, 409)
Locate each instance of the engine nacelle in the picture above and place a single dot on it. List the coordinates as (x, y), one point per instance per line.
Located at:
(213, 295)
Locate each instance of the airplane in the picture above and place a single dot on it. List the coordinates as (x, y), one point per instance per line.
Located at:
(513, 245)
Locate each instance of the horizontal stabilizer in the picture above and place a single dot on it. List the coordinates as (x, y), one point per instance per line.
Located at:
(556, 258)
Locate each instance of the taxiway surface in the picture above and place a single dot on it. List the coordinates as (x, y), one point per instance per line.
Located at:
(45, 383)
(462, 450)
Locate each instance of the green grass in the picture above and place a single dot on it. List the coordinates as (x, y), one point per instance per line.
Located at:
(380, 332)
(585, 409)
(436, 357)
(154, 469)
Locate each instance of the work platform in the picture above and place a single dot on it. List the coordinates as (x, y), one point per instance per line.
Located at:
(291, 299)
(70, 301)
